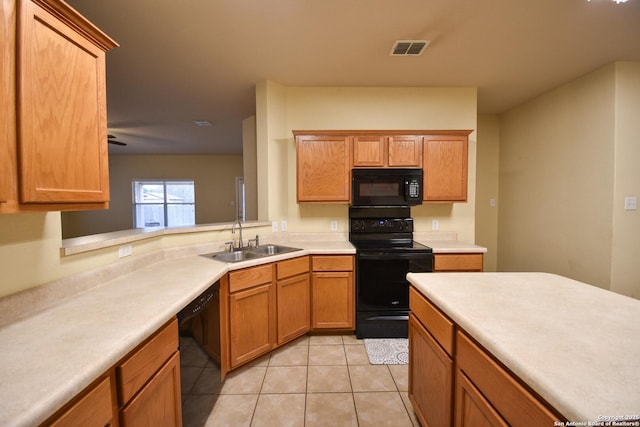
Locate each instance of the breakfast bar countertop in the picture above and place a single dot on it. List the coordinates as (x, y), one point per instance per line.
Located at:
(576, 345)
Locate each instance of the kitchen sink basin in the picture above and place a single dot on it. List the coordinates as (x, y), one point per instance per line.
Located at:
(245, 254)
(235, 256)
(273, 249)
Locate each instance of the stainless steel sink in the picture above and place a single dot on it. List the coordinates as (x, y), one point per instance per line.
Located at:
(245, 254)
(235, 256)
(274, 249)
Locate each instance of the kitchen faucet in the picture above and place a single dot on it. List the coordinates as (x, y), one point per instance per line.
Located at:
(233, 231)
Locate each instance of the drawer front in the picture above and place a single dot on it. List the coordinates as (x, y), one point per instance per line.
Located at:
(292, 267)
(332, 263)
(438, 325)
(514, 403)
(250, 277)
(94, 409)
(458, 262)
(135, 371)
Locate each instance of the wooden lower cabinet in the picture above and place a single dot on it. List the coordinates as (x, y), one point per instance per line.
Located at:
(159, 403)
(266, 306)
(472, 409)
(430, 377)
(143, 389)
(93, 408)
(252, 323)
(485, 393)
(458, 262)
(332, 292)
(501, 391)
(149, 382)
(293, 299)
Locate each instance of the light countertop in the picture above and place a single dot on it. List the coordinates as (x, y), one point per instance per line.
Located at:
(576, 345)
(49, 357)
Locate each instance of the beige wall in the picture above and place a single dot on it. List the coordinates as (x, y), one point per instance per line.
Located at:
(557, 175)
(625, 252)
(307, 108)
(249, 162)
(214, 177)
(487, 178)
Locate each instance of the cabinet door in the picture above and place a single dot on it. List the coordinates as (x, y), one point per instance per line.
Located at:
(369, 151)
(159, 403)
(445, 168)
(405, 151)
(294, 317)
(332, 300)
(472, 409)
(252, 323)
(323, 169)
(503, 391)
(62, 141)
(7, 101)
(430, 377)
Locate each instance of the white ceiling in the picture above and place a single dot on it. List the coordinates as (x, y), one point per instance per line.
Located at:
(186, 60)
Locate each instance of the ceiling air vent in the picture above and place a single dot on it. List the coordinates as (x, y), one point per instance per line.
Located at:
(409, 47)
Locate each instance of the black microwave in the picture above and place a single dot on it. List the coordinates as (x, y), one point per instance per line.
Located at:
(386, 187)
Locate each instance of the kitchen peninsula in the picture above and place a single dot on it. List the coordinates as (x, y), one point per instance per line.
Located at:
(565, 349)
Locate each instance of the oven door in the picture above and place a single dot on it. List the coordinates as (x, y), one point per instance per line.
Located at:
(381, 283)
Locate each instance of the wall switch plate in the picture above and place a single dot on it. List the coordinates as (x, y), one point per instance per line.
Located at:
(630, 203)
(274, 226)
(435, 225)
(283, 225)
(125, 250)
(492, 203)
(334, 225)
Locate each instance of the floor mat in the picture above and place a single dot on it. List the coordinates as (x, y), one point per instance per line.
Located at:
(387, 351)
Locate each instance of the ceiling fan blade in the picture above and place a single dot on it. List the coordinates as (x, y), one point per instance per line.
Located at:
(111, 139)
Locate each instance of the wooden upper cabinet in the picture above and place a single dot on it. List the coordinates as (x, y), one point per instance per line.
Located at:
(323, 168)
(369, 151)
(377, 151)
(405, 151)
(445, 168)
(57, 135)
(325, 159)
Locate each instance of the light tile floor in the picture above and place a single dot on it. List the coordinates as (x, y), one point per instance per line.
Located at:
(312, 381)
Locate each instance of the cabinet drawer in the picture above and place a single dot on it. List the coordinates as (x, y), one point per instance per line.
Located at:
(134, 372)
(158, 404)
(514, 403)
(438, 325)
(457, 262)
(292, 267)
(249, 277)
(332, 263)
(93, 409)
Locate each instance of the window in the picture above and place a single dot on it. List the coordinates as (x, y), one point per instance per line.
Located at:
(159, 203)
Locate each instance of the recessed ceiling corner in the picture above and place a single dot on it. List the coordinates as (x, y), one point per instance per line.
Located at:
(409, 47)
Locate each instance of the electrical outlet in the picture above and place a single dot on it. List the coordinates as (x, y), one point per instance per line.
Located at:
(334, 225)
(283, 225)
(630, 203)
(125, 250)
(435, 225)
(274, 226)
